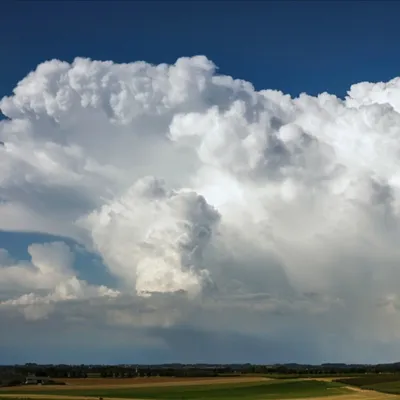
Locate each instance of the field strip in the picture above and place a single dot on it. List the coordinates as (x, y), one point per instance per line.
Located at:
(372, 393)
(139, 384)
(153, 380)
(58, 397)
(64, 392)
(353, 396)
(63, 397)
(366, 393)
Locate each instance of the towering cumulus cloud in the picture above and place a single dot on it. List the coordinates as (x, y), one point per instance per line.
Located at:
(215, 208)
(154, 238)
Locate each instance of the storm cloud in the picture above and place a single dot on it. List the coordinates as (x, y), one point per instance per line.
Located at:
(248, 221)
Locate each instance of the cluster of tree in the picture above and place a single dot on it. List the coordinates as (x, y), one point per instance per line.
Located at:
(154, 371)
(8, 377)
(184, 370)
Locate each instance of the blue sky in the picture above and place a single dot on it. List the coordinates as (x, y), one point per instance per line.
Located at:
(292, 46)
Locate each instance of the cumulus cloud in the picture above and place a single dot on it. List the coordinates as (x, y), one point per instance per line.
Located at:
(50, 264)
(216, 207)
(51, 278)
(166, 231)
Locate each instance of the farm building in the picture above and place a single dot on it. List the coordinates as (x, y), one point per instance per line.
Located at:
(36, 380)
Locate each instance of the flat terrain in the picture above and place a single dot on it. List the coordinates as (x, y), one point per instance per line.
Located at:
(383, 383)
(232, 388)
(110, 383)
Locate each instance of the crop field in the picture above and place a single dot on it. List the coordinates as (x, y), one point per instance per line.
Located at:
(244, 388)
(385, 383)
(210, 389)
(115, 383)
(368, 380)
(386, 387)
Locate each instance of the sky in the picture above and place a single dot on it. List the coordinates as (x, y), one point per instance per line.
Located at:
(199, 182)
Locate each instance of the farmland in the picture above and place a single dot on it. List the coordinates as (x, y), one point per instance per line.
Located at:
(370, 380)
(218, 388)
(385, 383)
(196, 389)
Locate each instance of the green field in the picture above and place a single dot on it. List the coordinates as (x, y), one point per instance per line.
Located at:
(386, 387)
(370, 379)
(265, 390)
(386, 383)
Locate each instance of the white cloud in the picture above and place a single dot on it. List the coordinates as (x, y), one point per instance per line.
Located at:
(213, 205)
(51, 278)
(153, 238)
(50, 264)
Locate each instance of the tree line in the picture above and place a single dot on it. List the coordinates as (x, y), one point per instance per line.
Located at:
(19, 372)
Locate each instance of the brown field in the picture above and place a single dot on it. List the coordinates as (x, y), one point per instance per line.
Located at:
(112, 383)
